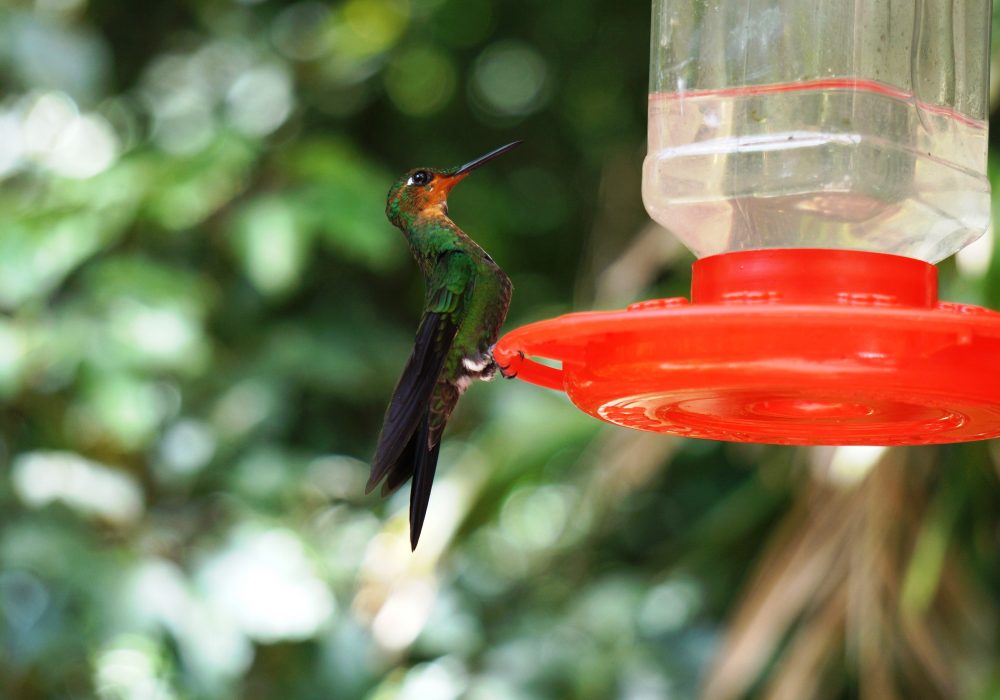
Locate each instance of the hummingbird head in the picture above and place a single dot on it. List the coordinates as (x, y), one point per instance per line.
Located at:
(426, 189)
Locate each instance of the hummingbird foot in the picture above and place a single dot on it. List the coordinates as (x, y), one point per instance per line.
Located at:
(504, 369)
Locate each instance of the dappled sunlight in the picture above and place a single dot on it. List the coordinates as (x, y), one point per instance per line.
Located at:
(397, 590)
(48, 131)
(445, 678)
(535, 518)
(132, 667)
(162, 336)
(264, 583)
(203, 314)
(403, 615)
(40, 478)
(159, 595)
(850, 464)
(225, 82)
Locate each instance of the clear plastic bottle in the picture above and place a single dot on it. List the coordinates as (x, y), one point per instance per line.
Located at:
(857, 124)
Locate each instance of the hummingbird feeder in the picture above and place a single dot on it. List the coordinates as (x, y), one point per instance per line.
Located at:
(818, 156)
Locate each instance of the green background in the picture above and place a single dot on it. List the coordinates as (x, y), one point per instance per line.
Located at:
(203, 312)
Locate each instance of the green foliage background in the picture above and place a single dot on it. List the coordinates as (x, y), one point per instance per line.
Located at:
(203, 312)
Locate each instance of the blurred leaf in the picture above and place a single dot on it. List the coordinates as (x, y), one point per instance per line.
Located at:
(272, 244)
(37, 254)
(184, 191)
(342, 200)
(202, 319)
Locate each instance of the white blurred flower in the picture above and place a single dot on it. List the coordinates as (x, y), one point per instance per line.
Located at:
(211, 645)
(47, 116)
(131, 668)
(265, 583)
(86, 147)
(92, 488)
(161, 334)
(185, 93)
(443, 679)
(59, 138)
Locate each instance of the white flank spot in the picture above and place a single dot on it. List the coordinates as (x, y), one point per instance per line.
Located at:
(474, 365)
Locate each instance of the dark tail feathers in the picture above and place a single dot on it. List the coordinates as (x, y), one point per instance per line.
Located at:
(416, 460)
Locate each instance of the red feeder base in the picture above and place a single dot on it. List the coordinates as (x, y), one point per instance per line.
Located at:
(797, 347)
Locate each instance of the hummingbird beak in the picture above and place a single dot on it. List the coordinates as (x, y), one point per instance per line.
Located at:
(464, 170)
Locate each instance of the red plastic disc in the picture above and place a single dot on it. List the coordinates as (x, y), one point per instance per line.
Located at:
(804, 347)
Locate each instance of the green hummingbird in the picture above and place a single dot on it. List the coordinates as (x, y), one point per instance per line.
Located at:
(467, 295)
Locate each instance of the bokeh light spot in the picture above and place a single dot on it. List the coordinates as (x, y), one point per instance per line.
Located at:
(272, 245)
(89, 487)
(509, 79)
(403, 615)
(187, 446)
(158, 594)
(58, 137)
(669, 606)
(267, 585)
(243, 407)
(86, 147)
(535, 517)
(160, 336)
(420, 81)
(47, 117)
(443, 679)
(850, 464)
(132, 667)
(369, 27)
(300, 31)
(121, 408)
(183, 125)
(260, 100)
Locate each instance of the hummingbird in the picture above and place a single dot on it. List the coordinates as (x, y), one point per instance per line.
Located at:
(466, 300)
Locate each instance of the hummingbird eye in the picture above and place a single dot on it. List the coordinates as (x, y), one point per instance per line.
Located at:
(421, 177)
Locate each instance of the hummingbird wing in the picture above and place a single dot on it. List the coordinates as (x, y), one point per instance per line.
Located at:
(409, 400)
(405, 446)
